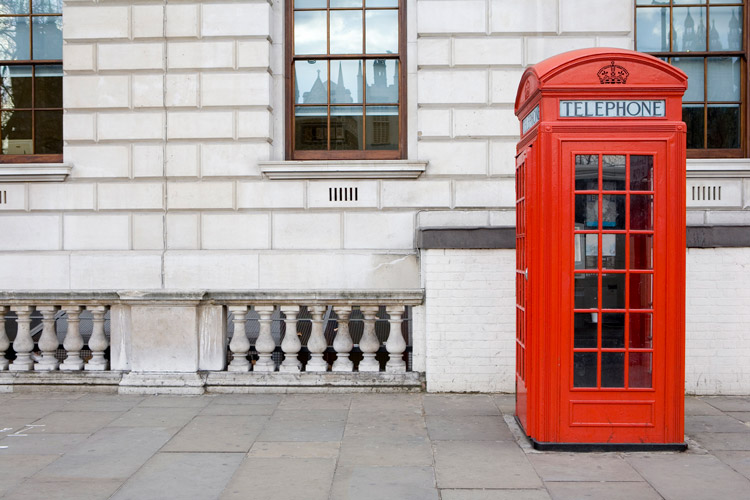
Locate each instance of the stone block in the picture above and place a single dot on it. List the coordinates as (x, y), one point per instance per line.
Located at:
(62, 196)
(148, 231)
(254, 124)
(148, 160)
(379, 230)
(453, 16)
(93, 91)
(182, 160)
(96, 232)
(503, 157)
(200, 124)
(612, 16)
(182, 20)
(234, 231)
(236, 89)
(218, 270)
(540, 48)
(98, 161)
(306, 231)
(505, 218)
(198, 195)
(233, 159)
(487, 51)
(452, 218)
(273, 194)
(148, 21)
(51, 270)
(433, 51)
(129, 56)
(182, 90)
(416, 194)
(131, 196)
(164, 338)
(78, 57)
(454, 157)
(334, 194)
(115, 270)
(212, 338)
(620, 42)
(79, 127)
(14, 196)
(485, 122)
(119, 337)
(96, 22)
(253, 54)
(485, 193)
(131, 126)
(504, 84)
(189, 55)
(529, 16)
(727, 217)
(29, 232)
(148, 91)
(183, 231)
(236, 19)
(434, 122)
(444, 87)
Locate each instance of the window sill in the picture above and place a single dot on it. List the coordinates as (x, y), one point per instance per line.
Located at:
(34, 172)
(342, 169)
(725, 167)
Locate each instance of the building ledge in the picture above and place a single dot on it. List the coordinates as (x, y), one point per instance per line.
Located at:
(718, 167)
(355, 169)
(34, 172)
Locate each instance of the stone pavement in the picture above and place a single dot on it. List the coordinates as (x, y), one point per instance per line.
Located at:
(341, 446)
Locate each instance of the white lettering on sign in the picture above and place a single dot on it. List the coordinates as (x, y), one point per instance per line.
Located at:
(613, 109)
(530, 120)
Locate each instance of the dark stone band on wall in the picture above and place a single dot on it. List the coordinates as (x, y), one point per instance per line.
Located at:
(505, 237)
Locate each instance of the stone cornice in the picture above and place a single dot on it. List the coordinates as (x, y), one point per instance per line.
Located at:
(34, 172)
(359, 169)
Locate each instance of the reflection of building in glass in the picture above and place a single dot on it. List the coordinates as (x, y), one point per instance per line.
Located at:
(379, 91)
(692, 38)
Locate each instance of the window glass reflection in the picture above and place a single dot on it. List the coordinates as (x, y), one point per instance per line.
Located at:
(346, 82)
(641, 251)
(692, 115)
(693, 68)
(613, 369)
(47, 37)
(44, 6)
(640, 331)
(641, 291)
(585, 330)
(613, 251)
(723, 78)
(587, 172)
(641, 172)
(381, 3)
(345, 3)
(613, 211)
(14, 7)
(346, 127)
(311, 127)
(589, 252)
(382, 81)
(723, 126)
(587, 211)
(586, 291)
(641, 211)
(49, 82)
(613, 331)
(15, 86)
(310, 4)
(310, 35)
(613, 291)
(346, 32)
(613, 172)
(382, 127)
(689, 33)
(382, 32)
(653, 29)
(48, 132)
(14, 39)
(584, 369)
(311, 82)
(639, 369)
(726, 28)
(15, 130)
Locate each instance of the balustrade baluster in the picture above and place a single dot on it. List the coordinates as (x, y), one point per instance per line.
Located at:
(48, 342)
(317, 343)
(98, 342)
(265, 344)
(23, 344)
(395, 343)
(369, 344)
(343, 341)
(240, 344)
(4, 340)
(291, 344)
(73, 342)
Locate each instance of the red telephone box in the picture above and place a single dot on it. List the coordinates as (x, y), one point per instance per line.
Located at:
(600, 242)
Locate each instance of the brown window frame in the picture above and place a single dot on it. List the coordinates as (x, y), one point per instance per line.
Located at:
(290, 59)
(34, 63)
(744, 149)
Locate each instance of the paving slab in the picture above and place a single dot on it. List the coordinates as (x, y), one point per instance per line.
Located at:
(16, 468)
(376, 483)
(468, 428)
(165, 401)
(737, 460)
(22, 443)
(697, 406)
(713, 423)
(375, 450)
(82, 422)
(728, 403)
(246, 399)
(717, 441)
(589, 467)
(155, 417)
(31, 409)
(294, 449)
(483, 464)
(386, 403)
(206, 433)
(601, 490)
(281, 479)
(238, 409)
(742, 416)
(99, 402)
(387, 426)
(79, 489)
(315, 402)
(184, 476)
(506, 403)
(459, 404)
(301, 425)
(474, 494)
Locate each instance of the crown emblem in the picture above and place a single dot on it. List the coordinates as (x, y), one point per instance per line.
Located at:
(613, 74)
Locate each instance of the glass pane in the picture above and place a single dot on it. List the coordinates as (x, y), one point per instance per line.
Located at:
(613, 211)
(639, 371)
(613, 251)
(346, 127)
(47, 37)
(641, 211)
(382, 81)
(45, 6)
(613, 291)
(726, 28)
(49, 80)
(693, 68)
(382, 31)
(346, 82)
(311, 82)
(346, 32)
(613, 369)
(346, 3)
(640, 291)
(586, 291)
(590, 258)
(587, 211)
(584, 369)
(15, 131)
(723, 126)
(14, 39)
(381, 3)
(310, 127)
(641, 172)
(723, 79)
(692, 115)
(640, 331)
(310, 32)
(15, 86)
(48, 132)
(689, 33)
(585, 330)
(382, 127)
(14, 7)
(310, 4)
(683, 2)
(613, 172)
(653, 29)
(613, 331)
(587, 172)
(641, 251)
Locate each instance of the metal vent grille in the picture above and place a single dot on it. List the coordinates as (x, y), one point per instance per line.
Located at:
(343, 194)
(706, 193)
